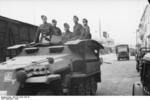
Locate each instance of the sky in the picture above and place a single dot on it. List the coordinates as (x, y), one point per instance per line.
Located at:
(120, 18)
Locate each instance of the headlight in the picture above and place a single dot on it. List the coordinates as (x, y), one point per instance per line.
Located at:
(50, 60)
(21, 76)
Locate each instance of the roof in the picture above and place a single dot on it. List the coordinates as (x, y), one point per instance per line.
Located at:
(15, 21)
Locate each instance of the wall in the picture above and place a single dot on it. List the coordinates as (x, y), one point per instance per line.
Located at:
(14, 32)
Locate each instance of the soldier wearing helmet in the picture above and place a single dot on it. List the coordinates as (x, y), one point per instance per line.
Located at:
(56, 29)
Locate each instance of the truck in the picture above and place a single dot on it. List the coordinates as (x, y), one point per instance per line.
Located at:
(122, 52)
(72, 68)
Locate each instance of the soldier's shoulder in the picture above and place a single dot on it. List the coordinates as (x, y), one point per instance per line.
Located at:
(49, 24)
(58, 28)
(80, 25)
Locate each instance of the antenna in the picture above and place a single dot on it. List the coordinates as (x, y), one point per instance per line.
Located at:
(34, 13)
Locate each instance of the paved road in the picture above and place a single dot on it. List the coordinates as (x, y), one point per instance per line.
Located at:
(118, 77)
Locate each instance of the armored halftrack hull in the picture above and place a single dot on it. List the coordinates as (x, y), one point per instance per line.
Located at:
(72, 68)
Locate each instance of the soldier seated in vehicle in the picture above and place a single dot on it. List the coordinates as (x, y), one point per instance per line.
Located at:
(56, 29)
(44, 31)
(87, 29)
(78, 30)
(67, 35)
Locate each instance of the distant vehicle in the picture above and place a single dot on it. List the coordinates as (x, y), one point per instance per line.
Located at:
(140, 54)
(122, 52)
(143, 87)
(52, 69)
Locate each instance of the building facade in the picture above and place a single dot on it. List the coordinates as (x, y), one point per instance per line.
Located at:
(143, 32)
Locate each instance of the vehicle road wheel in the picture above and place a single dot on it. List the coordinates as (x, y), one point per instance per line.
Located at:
(56, 87)
(93, 86)
(118, 59)
(137, 89)
(81, 89)
(88, 87)
(78, 88)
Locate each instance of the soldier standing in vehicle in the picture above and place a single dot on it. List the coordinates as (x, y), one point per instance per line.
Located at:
(87, 29)
(78, 30)
(44, 31)
(67, 35)
(56, 29)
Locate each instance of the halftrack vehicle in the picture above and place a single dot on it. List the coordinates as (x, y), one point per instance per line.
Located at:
(143, 87)
(52, 69)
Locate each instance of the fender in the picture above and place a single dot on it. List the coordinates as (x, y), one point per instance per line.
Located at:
(43, 79)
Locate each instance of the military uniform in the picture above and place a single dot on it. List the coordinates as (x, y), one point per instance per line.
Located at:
(78, 32)
(66, 36)
(44, 33)
(87, 34)
(57, 31)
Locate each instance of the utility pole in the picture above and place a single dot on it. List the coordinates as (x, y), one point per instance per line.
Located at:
(34, 13)
(136, 37)
(100, 29)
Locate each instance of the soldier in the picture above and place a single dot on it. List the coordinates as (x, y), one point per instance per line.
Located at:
(87, 29)
(67, 34)
(78, 30)
(56, 30)
(44, 31)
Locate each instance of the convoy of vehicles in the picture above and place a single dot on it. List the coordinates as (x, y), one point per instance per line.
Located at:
(52, 69)
(122, 52)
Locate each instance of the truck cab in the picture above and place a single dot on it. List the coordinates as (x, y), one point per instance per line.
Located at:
(122, 52)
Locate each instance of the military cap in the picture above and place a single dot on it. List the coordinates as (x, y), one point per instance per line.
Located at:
(42, 16)
(66, 25)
